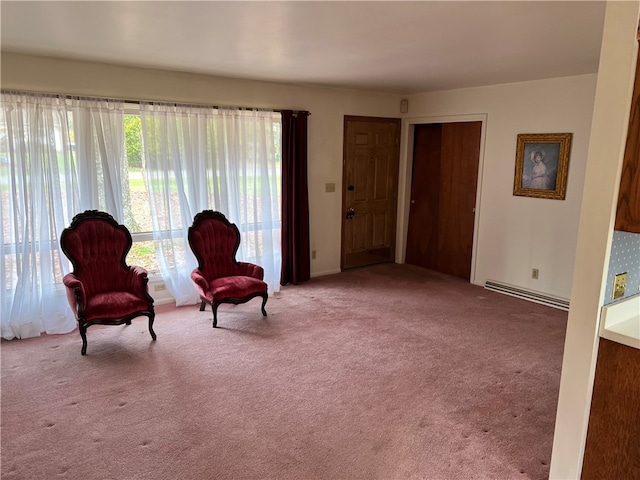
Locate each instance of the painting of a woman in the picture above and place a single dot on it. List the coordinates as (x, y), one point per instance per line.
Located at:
(540, 166)
(542, 162)
(539, 177)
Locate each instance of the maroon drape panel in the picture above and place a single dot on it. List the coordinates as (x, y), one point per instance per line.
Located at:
(296, 266)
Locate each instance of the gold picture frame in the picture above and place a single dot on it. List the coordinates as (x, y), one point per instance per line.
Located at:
(542, 165)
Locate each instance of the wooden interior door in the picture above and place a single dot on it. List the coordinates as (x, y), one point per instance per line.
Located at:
(443, 197)
(370, 190)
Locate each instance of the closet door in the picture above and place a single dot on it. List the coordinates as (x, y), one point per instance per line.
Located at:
(443, 197)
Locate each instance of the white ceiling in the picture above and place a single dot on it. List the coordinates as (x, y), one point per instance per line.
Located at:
(386, 46)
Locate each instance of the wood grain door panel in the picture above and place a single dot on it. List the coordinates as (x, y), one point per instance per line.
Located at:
(424, 210)
(370, 180)
(612, 448)
(458, 183)
(628, 210)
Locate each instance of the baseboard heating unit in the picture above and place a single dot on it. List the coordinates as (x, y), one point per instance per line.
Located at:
(532, 296)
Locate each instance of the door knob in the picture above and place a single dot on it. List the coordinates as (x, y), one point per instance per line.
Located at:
(350, 213)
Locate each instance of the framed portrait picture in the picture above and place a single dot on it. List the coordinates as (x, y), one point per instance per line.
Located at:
(542, 164)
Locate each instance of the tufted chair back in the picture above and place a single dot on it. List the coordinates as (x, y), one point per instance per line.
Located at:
(214, 241)
(97, 247)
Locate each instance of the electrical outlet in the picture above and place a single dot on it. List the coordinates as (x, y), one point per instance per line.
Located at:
(329, 187)
(535, 273)
(313, 254)
(159, 287)
(619, 285)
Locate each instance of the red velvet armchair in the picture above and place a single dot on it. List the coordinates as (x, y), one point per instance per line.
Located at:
(220, 278)
(102, 289)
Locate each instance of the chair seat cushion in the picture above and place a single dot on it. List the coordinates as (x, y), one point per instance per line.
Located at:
(234, 287)
(114, 305)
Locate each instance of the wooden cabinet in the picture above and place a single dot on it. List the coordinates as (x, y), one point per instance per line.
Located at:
(613, 438)
(628, 212)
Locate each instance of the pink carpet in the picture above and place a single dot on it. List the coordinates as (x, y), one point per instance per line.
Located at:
(389, 372)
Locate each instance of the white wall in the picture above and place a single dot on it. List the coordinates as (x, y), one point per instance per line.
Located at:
(327, 107)
(516, 234)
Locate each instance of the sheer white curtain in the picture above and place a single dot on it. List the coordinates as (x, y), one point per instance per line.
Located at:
(42, 186)
(248, 149)
(99, 143)
(201, 158)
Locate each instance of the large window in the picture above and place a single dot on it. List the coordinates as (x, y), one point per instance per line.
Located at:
(135, 195)
(152, 166)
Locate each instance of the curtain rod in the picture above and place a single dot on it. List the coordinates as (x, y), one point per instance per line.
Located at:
(153, 102)
(180, 104)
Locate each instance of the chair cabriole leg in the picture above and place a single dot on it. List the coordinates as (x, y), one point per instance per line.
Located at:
(215, 314)
(83, 334)
(264, 302)
(151, 319)
(202, 305)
